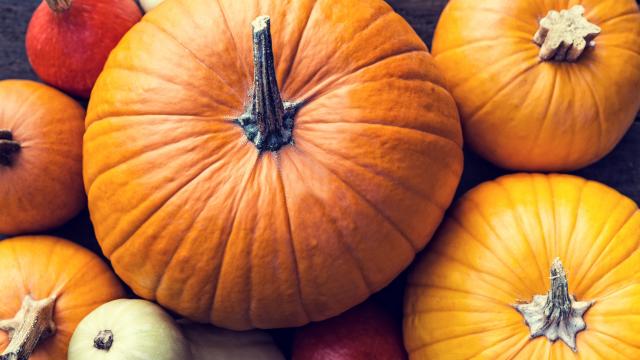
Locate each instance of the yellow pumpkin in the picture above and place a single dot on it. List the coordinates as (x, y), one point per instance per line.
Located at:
(482, 290)
(529, 101)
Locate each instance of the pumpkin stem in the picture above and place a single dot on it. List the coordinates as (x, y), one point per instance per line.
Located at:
(8, 148)
(556, 315)
(565, 35)
(103, 340)
(32, 323)
(268, 121)
(59, 6)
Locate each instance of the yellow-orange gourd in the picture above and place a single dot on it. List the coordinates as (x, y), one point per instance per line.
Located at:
(40, 157)
(54, 280)
(496, 251)
(522, 112)
(224, 204)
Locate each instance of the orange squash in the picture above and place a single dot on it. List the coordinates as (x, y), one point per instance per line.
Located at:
(48, 285)
(40, 157)
(273, 197)
(542, 84)
(524, 265)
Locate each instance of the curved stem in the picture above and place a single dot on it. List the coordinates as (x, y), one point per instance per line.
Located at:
(32, 323)
(565, 35)
(556, 315)
(103, 340)
(268, 121)
(59, 5)
(8, 148)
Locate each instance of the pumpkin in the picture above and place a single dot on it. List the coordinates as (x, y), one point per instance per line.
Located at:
(40, 157)
(287, 205)
(542, 85)
(128, 329)
(209, 343)
(529, 266)
(149, 5)
(48, 285)
(68, 41)
(366, 332)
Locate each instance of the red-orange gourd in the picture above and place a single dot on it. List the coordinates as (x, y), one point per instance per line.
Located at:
(40, 157)
(273, 197)
(529, 267)
(526, 100)
(48, 285)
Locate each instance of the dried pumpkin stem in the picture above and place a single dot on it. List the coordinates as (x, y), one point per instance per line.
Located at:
(565, 35)
(103, 340)
(8, 148)
(268, 121)
(59, 5)
(32, 323)
(556, 315)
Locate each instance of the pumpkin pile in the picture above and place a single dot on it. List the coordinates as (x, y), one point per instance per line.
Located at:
(273, 164)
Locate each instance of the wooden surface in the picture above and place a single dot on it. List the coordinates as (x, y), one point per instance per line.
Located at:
(620, 169)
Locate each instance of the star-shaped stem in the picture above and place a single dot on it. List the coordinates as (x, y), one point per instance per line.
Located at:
(564, 35)
(32, 323)
(556, 315)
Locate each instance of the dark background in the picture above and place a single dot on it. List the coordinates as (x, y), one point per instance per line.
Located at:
(620, 169)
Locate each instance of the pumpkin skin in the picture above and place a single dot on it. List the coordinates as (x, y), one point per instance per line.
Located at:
(523, 113)
(140, 330)
(365, 332)
(44, 266)
(193, 216)
(495, 250)
(42, 188)
(67, 47)
(209, 343)
(149, 5)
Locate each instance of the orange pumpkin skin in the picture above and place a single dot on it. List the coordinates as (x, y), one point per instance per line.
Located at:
(523, 113)
(193, 216)
(45, 266)
(495, 250)
(42, 188)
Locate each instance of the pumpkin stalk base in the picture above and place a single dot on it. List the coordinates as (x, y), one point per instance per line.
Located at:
(268, 121)
(104, 340)
(32, 323)
(556, 315)
(59, 6)
(8, 148)
(565, 35)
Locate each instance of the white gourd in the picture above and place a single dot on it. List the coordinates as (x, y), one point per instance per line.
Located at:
(128, 329)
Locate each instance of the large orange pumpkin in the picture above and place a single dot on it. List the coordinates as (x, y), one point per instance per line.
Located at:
(40, 157)
(48, 285)
(533, 93)
(273, 197)
(519, 269)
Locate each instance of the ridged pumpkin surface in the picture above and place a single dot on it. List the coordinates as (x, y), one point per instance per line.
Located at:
(524, 113)
(495, 250)
(43, 267)
(192, 215)
(42, 187)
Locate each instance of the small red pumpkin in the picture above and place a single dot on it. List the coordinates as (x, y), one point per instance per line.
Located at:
(68, 41)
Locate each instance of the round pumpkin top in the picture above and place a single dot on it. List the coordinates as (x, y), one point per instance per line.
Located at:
(494, 261)
(40, 157)
(526, 103)
(200, 209)
(47, 268)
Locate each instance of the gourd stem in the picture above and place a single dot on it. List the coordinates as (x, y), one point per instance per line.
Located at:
(103, 340)
(565, 35)
(59, 6)
(8, 148)
(268, 121)
(32, 323)
(556, 315)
